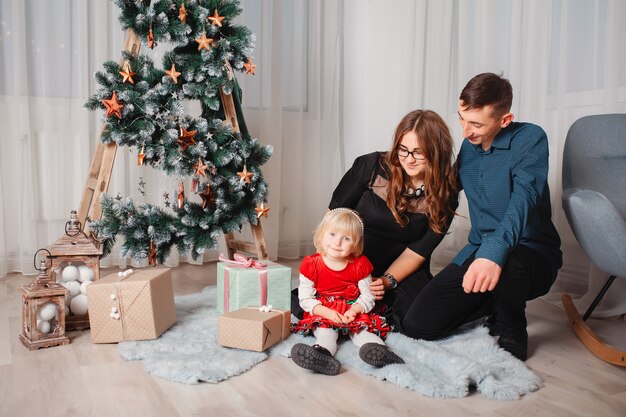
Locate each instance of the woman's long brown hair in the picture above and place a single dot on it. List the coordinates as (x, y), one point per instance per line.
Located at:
(440, 187)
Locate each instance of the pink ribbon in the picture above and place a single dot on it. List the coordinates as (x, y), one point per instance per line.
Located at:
(243, 262)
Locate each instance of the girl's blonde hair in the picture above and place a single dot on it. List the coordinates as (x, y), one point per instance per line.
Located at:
(341, 220)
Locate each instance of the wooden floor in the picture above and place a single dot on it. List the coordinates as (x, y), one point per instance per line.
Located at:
(83, 379)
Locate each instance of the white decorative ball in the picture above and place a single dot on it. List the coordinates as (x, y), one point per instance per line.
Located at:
(47, 311)
(78, 306)
(70, 273)
(67, 308)
(85, 273)
(73, 287)
(43, 326)
(83, 286)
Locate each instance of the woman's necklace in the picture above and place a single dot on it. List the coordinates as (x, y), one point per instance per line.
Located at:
(415, 193)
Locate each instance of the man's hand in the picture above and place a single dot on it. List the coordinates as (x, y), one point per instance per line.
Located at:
(482, 275)
(377, 288)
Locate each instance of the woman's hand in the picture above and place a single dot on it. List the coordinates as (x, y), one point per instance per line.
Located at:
(377, 288)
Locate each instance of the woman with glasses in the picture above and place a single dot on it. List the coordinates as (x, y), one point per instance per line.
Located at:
(406, 197)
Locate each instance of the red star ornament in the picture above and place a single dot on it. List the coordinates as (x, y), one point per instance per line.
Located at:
(261, 211)
(249, 66)
(113, 107)
(173, 74)
(216, 19)
(204, 42)
(245, 175)
(186, 138)
(208, 198)
(127, 74)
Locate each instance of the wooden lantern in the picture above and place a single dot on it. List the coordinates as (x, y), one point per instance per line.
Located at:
(43, 311)
(75, 261)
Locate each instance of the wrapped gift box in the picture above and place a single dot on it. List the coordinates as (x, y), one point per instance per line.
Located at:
(251, 329)
(243, 283)
(139, 306)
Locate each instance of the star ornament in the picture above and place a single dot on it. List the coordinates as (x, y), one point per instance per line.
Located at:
(261, 211)
(151, 42)
(216, 19)
(245, 175)
(127, 74)
(152, 254)
(204, 42)
(186, 138)
(173, 74)
(182, 13)
(208, 198)
(249, 66)
(113, 107)
(200, 168)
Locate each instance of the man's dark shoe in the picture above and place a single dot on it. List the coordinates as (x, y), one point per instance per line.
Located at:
(515, 342)
(491, 323)
(315, 358)
(378, 355)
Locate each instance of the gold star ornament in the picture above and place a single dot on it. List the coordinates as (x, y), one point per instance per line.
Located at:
(152, 254)
(204, 42)
(216, 19)
(151, 42)
(208, 197)
(200, 168)
(173, 74)
(261, 211)
(141, 156)
(127, 74)
(245, 175)
(249, 66)
(113, 107)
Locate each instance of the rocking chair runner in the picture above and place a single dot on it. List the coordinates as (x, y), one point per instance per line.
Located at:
(594, 201)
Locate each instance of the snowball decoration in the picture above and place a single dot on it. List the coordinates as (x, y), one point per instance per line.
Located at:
(70, 273)
(73, 287)
(47, 311)
(83, 286)
(85, 273)
(78, 305)
(43, 326)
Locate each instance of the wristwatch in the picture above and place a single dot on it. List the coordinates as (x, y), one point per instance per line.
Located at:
(393, 283)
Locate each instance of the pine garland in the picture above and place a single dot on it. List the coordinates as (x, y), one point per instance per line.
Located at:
(152, 119)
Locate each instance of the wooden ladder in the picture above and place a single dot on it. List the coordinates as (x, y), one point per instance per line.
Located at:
(104, 158)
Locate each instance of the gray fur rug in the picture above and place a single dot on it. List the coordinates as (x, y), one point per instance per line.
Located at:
(188, 353)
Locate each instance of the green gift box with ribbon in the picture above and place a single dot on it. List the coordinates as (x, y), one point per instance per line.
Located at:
(246, 282)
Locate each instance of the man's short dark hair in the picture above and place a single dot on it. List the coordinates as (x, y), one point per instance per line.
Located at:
(488, 89)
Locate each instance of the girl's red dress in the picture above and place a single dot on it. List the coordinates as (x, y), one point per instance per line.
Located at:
(338, 290)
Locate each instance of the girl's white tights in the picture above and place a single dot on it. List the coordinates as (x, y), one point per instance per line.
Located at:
(327, 338)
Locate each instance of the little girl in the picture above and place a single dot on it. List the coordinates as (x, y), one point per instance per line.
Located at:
(334, 293)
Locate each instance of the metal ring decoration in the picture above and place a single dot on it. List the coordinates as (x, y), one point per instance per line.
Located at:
(75, 234)
(35, 259)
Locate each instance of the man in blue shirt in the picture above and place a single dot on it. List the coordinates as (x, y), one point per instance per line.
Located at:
(512, 254)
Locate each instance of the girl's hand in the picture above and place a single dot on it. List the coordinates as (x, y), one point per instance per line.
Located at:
(377, 288)
(329, 314)
(350, 315)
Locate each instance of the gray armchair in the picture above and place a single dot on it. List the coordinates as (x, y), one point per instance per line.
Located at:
(594, 201)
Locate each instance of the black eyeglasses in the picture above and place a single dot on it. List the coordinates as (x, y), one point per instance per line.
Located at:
(404, 153)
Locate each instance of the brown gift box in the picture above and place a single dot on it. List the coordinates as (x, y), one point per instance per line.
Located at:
(143, 301)
(251, 329)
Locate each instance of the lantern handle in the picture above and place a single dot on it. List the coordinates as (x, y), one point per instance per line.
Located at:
(74, 224)
(35, 260)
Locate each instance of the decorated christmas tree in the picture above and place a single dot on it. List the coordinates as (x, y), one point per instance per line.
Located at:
(145, 112)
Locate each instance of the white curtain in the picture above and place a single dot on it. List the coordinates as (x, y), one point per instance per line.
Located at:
(333, 80)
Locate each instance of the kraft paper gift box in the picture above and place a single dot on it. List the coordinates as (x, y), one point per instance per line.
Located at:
(246, 282)
(251, 329)
(139, 306)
